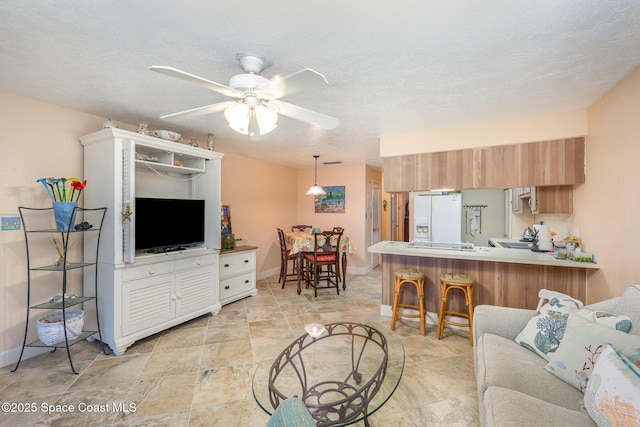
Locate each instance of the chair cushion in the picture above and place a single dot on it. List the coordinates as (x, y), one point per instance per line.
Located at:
(409, 273)
(321, 258)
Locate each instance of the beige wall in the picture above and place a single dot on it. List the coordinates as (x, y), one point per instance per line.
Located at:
(607, 203)
(262, 196)
(527, 129)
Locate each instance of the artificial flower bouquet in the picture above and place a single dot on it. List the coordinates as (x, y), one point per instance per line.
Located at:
(63, 189)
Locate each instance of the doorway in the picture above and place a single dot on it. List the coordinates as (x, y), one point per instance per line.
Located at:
(398, 215)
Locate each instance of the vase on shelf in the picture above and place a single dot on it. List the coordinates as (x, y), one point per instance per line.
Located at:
(65, 215)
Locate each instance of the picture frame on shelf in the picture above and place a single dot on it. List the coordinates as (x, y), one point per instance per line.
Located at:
(225, 220)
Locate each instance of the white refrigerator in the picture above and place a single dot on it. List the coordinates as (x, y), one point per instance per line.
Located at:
(437, 217)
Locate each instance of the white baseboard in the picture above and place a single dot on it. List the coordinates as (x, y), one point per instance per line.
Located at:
(10, 356)
(268, 273)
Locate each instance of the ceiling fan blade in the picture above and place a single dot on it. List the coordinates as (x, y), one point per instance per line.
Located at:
(183, 75)
(304, 115)
(207, 109)
(279, 87)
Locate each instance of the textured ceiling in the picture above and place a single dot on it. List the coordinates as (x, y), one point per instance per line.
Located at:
(392, 67)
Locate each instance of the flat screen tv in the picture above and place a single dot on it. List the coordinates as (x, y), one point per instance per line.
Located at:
(164, 225)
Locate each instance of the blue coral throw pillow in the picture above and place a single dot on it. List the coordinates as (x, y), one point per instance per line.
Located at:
(544, 331)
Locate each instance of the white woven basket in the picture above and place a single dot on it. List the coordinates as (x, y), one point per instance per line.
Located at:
(50, 328)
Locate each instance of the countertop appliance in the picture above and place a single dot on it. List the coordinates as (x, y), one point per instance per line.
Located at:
(437, 217)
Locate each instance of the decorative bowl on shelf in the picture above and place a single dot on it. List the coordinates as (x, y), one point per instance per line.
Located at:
(168, 135)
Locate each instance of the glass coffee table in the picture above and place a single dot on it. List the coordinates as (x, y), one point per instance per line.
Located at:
(343, 375)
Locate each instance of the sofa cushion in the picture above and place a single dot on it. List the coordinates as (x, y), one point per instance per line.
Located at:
(544, 331)
(501, 362)
(504, 407)
(612, 396)
(629, 304)
(581, 345)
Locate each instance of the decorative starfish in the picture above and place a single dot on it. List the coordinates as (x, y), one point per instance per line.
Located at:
(126, 213)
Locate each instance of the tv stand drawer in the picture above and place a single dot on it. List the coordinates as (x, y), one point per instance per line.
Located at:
(147, 270)
(195, 262)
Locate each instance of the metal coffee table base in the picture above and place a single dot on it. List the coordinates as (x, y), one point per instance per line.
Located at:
(332, 401)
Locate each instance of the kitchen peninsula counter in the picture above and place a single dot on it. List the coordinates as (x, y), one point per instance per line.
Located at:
(505, 277)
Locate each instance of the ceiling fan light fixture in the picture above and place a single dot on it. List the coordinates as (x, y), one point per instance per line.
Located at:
(240, 119)
(315, 189)
(267, 119)
(256, 102)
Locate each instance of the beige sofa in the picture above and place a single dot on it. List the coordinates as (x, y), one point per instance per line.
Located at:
(514, 389)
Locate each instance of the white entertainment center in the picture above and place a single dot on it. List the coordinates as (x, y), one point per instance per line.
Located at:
(140, 294)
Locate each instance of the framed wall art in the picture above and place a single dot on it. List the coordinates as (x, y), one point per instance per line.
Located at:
(332, 202)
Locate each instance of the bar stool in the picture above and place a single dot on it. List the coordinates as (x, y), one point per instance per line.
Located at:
(448, 282)
(416, 278)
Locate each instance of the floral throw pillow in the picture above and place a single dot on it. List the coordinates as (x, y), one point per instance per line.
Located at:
(612, 396)
(583, 342)
(544, 331)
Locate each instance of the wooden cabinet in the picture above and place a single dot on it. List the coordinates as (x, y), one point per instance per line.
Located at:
(141, 294)
(237, 274)
(517, 203)
(557, 199)
(552, 200)
(545, 163)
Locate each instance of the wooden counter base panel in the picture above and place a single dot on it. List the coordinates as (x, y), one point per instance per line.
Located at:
(504, 284)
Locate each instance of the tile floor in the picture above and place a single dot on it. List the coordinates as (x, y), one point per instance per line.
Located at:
(199, 373)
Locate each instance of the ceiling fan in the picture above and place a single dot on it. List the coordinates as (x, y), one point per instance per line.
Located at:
(256, 100)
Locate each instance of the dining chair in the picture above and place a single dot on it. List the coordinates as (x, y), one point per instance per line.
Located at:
(325, 254)
(301, 227)
(343, 261)
(286, 257)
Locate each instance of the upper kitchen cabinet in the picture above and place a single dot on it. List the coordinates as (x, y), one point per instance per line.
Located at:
(556, 199)
(429, 171)
(546, 163)
(400, 173)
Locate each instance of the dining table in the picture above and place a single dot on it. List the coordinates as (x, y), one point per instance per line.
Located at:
(301, 242)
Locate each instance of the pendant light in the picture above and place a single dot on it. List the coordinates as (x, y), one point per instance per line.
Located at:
(315, 189)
